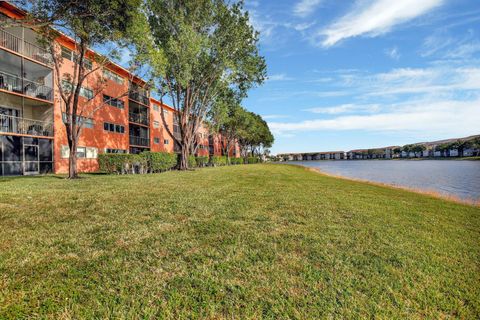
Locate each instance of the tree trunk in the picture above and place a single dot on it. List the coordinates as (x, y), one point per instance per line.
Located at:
(72, 161)
(184, 158)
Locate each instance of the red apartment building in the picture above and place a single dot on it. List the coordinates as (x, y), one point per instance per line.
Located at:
(32, 135)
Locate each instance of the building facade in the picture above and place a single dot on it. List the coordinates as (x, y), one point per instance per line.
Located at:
(32, 133)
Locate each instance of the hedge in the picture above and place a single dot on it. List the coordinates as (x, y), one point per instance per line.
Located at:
(251, 160)
(160, 161)
(202, 161)
(235, 161)
(218, 161)
(192, 162)
(122, 163)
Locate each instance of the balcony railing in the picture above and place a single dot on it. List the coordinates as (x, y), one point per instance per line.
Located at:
(139, 118)
(23, 86)
(14, 43)
(32, 127)
(135, 95)
(139, 141)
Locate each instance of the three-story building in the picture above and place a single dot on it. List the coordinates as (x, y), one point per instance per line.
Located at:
(122, 118)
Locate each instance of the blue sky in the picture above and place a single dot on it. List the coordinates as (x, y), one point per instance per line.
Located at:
(367, 73)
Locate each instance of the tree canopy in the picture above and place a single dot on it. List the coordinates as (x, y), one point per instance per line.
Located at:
(205, 48)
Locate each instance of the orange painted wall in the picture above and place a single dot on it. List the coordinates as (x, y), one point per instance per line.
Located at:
(95, 137)
(160, 132)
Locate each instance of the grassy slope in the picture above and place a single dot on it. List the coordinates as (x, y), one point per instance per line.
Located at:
(249, 241)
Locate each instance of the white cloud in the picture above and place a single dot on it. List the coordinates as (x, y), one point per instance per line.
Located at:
(447, 46)
(464, 51)
(275, 116)
(393, 53)
(442, 100)
(426, 81)
(279, 77)
(455, 118)
(435, 43)
(303, 26)
(345, 108)
(252, 3)
(440, 79)
(306, 7)
(375, 18)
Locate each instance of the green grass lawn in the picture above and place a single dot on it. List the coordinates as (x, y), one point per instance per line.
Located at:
(256, 241)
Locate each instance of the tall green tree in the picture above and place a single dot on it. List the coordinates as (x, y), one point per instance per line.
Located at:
(204, 46)
(91, 24)
(254, 135)
(222, 119)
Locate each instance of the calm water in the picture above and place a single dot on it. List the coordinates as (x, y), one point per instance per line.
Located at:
(449, 177)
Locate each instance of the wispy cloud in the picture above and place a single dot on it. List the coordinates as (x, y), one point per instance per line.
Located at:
(444, 45)
(306, 7)
(275, 116)
(303, 26)
(279, 77)
(450, 117)
(373, 18)
(345, 108)
(393, 53)
(439, 79)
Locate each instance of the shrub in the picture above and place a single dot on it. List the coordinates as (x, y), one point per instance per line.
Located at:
(218, 160)
(252, 160)
(160, 161)
(202, 161)
(122, 163)
(192, 162)
(235, 161)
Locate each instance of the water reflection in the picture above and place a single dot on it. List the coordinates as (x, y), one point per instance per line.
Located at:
(449, 177)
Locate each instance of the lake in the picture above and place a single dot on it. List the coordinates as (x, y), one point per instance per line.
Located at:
(448, 177)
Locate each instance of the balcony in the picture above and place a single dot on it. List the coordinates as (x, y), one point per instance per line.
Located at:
(139, 118)
(15, 43)
(26, 87)
(139, 141)
(16, 125)
(137, 96)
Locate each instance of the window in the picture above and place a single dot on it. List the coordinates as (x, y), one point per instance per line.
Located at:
(108, 150)
(165, 112)
(87, 64)
(81, 152)
(86, 93)
(156, 124)
(65, 152)
(112, 76)
(87, 122)
(91, 153)
(67, 54)
(113, 102)
(176, 128)
(67, 86)
(118, 128)
(156, 108)
(156, 140)
(166, 141)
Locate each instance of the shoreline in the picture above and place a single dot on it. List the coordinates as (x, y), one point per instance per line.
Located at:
(397, 159)
(426, 192)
